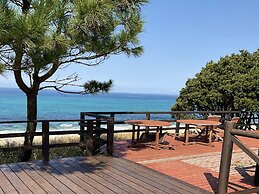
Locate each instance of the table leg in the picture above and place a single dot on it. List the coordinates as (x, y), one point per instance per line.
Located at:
(138, 132)
(186, 134)
(206, 134)
(210, 135)
(157, 138)
(147, 130)
(133, 135)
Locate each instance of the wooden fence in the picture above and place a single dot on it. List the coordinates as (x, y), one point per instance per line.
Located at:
(97, 123)
(173, 116)
(231, 136)
(86, 132)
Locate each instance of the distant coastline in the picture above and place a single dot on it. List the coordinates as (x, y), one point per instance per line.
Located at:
(130, 93)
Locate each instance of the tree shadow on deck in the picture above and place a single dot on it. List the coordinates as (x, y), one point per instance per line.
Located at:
(213, 182)
(121, 148)
(246, 177)
(59, 166)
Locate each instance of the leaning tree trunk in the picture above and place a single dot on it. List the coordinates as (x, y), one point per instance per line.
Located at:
(26, 152)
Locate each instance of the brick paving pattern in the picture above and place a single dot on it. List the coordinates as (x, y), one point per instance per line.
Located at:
(238, 162)
(196, 164)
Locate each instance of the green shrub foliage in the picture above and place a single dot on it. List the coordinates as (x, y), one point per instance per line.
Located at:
(232, 83)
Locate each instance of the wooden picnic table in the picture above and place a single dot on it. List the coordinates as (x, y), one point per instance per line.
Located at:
(206, 123)
(146, 123)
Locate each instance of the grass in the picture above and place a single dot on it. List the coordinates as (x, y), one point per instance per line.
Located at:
(13, 156)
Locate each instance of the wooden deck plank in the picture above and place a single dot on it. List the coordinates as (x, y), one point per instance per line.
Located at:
(116, 179)
(109, 176)
(146, 183)
(145, 187)
(166, 180)
(91, 173)
(58, 185)
(5, 185)
(129, 169)
(157, 187)
(170, 182)
(31, 184)
(79, 177)
(43, 183)
(17, 183)
(1, 191)
(126, 181)
(61, 182)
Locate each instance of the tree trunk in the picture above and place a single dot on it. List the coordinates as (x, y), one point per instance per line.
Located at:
(26, 153)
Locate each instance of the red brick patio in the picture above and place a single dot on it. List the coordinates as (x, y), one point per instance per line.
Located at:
(196, 164)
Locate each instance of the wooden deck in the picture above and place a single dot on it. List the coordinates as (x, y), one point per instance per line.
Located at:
(98, 174)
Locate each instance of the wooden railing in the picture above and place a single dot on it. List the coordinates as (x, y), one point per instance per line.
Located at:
(96, 127)
(96, 123)
(86, 133)
(173, 116)
(231, 136)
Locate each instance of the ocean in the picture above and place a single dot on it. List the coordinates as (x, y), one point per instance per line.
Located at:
(53, 105)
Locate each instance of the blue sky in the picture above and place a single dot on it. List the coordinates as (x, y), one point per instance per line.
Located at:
(179, 37)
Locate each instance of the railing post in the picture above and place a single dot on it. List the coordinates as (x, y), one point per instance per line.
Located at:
(257, 124)
(226, 155)
(90, 138)
(98, 125)
(256, 177)
(205, 115)
(110, 135)
(178, 116)
(228, 117)
(45, 141)
(82, 127)
(147, 118)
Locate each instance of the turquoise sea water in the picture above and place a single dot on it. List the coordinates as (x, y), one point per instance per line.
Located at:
(52, 105)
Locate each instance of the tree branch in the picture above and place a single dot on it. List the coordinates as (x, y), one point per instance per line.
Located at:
(50, 72)
(83, 63)
(26, 6)
(60, 83)
(63, 91)
(90, 87)
(18, 73)
(78, 58)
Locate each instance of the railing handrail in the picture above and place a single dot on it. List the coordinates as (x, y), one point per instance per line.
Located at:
(249, 134)
(160, 112)
(98, 113)
(42, 120)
